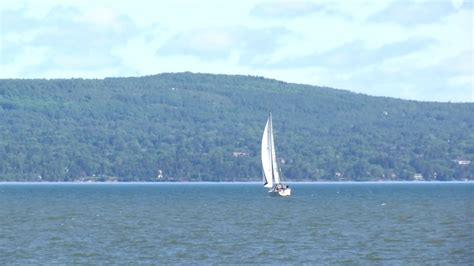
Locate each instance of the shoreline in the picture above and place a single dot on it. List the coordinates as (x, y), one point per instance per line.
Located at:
(228, 182)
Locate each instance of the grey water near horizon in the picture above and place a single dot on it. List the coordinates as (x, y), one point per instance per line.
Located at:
(352, 223)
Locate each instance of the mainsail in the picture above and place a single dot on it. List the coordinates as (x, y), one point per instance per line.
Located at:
(267, 157)
(270, 167)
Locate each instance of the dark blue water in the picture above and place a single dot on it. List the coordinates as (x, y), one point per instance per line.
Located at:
(367, 223)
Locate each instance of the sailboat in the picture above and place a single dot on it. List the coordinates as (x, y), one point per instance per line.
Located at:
(271, 172)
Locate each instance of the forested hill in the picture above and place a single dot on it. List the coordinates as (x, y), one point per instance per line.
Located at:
(203, 127)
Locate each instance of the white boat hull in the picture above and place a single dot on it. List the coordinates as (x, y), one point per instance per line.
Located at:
(282, 193)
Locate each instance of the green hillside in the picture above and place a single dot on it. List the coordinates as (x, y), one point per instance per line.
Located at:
(204, 127)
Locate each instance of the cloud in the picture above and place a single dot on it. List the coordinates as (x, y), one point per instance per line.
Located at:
(9, 51)
(292, 9)
(391, 70)
(220, 44)
(70, 39)
(448, 80)
(432, 83)
(355, 54)
(365, 46)
(410, 13)
(80, 35)
(461, 64)
(206, 43)
(15, 20)
(285, 9)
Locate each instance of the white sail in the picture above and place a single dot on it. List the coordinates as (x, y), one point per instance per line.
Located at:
(267, 157)
(276, 173)
(271, 173)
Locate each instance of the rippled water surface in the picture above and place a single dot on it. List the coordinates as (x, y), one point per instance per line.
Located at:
(395, 223)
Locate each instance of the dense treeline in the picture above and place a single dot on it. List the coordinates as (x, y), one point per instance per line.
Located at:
(207, 127)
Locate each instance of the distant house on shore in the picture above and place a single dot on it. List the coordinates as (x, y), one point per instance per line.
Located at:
(418, 177)
(239, 154)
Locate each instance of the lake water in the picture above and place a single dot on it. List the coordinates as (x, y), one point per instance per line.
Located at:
(349, 223)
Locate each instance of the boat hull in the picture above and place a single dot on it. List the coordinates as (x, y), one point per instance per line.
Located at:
(281, 193)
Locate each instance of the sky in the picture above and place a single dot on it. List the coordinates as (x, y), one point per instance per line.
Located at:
(410, 49)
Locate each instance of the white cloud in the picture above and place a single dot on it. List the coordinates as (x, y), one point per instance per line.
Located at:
(206, 43)
(409, 13)
(70, 40)
(221, 44)
(449, 80)
(356, 54)
(286, 9)
(416, 49)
